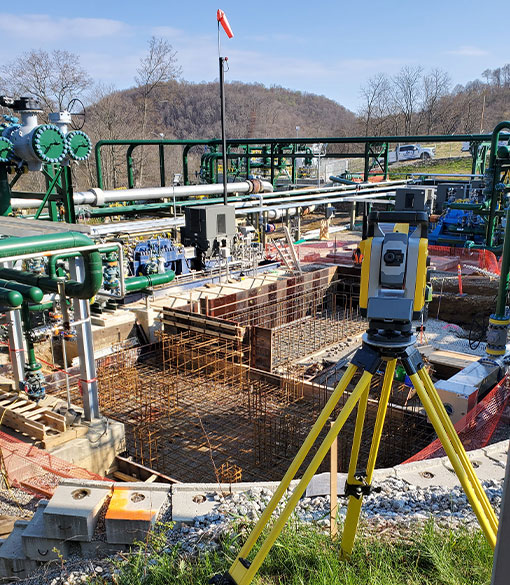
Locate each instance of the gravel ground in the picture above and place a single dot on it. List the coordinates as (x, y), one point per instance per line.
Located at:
(16, 502)
(397, 508)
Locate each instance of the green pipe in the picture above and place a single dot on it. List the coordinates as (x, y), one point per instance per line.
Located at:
(470, 206)
(505, 271)
(33, 364)
(78, 290)
(29, 293)
(495, 139)
(10, 298)
(342, 181)
(5, 191)
(41, 306)
(141, 282)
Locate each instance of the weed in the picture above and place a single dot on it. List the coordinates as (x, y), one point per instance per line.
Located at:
(304, 554)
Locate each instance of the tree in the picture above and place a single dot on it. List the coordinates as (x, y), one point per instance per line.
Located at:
(435, 86)
(157, 67)
(53, 78)
(375, 102)
(406, 94)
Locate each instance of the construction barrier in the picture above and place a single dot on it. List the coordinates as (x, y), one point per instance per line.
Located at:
(477, 427)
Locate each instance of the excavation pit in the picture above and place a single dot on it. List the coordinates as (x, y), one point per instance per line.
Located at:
(221, 398)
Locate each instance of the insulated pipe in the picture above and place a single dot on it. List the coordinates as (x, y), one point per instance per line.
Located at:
(29, 293)
(137, 283)
(10, 298)
(100, 197)
(41, 244)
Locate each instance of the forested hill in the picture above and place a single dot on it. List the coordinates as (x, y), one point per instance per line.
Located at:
(184, 110)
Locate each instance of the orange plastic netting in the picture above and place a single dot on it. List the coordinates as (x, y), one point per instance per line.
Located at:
(478, 426)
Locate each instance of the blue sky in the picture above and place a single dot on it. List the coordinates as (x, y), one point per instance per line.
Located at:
(328, 48)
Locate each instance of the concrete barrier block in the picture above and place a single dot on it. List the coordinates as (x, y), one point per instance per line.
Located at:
(133, 511)
(13, 562)
(73, 510)
(37, 545)
(199, 499)
(428, 473)
(99, 549)
(485, 467)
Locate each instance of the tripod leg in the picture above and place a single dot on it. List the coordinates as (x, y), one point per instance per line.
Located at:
(355, 503)
(242, 572)
(437, 422)
(459, 448)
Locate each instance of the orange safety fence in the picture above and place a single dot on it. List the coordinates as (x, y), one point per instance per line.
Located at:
(478, 426)
(447, 259)
(36, 470)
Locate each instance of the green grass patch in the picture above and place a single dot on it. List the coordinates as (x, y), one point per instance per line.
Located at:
(454, 165)
(304, 555)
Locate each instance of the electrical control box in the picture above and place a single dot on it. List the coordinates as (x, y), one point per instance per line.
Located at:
(207, 227)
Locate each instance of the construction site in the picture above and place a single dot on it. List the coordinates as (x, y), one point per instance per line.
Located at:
(200, 340)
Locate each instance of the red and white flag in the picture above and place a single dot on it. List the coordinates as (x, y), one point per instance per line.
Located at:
(222, 19)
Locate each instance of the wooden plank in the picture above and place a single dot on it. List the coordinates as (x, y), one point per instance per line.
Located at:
(53, 441)
(151, 479)
(55, 421)
(34, 414)
(125, 477)
(20, 423)
(22, 409)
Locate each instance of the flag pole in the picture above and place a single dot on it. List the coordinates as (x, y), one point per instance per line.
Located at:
(223, 134)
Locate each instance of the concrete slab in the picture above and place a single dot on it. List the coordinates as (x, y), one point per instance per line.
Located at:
(498, 452)
(95, 451)
(133, 511)
(198, 499)
(72, 512)
(37, 545)
(485, 468)
(13, 562)
(431, 472)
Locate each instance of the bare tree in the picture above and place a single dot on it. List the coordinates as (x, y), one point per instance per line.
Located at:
(157, 67)
(375, 102)
(435, 86)
(53, 78)
(406, 94)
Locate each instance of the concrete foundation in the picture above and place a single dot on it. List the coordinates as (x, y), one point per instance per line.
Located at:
(95, 451)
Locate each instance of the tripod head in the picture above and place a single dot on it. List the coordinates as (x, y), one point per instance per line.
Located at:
(394, 270)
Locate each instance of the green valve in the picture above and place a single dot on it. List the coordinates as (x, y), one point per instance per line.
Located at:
(6, 149)
(49, 143)
(79, 145)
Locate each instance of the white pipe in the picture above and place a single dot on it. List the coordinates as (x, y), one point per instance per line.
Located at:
(99, 197)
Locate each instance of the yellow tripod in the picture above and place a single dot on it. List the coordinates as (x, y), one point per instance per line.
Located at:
(367, 359)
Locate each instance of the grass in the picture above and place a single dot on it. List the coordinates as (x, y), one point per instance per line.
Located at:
(459, 165)
(304, 555)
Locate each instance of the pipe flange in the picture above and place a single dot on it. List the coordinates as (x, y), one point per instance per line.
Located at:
(99, 195)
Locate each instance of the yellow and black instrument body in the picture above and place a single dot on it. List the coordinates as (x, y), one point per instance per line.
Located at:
(394, 274)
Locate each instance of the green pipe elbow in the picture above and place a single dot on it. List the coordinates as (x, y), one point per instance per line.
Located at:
(29, 293)
(79, 290)
(11, 298)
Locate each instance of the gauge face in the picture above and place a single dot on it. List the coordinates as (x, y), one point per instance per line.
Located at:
(49, 143)
(79, 145)
(6, 149)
